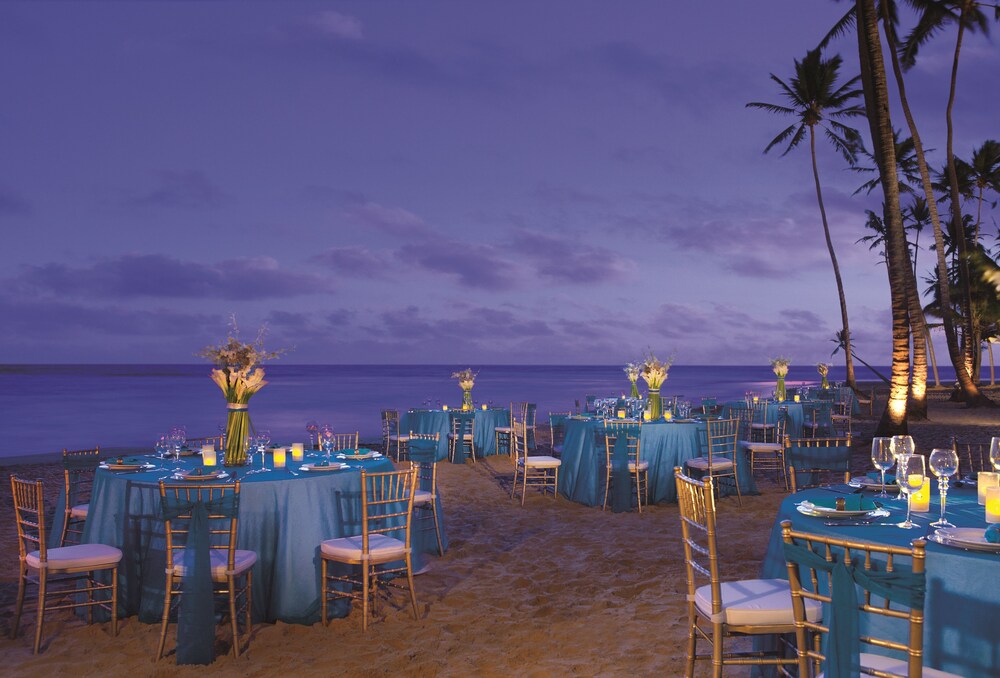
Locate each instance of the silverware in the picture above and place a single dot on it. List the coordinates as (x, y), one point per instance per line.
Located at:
(843, 523)
(291, 471)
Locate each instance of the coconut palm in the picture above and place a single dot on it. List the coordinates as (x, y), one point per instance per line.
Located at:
(815, 98)
(984, 173)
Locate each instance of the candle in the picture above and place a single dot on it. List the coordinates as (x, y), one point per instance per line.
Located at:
(756, 399)
(984, 481)
(920, 500)
(993, 504)
(297, 452)
(621, 414)
(279, 457)
(484, 407)
(444, 408)
(208, 455)
(668, 415)
(796, 397)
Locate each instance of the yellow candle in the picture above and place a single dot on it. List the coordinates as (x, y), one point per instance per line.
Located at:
(920, 502)
(279, 457)
(756, 399)
(208, 455)
(484, 407)
(984, 481)
(993, 504)
(621, 414)
(444, 408)
(668, 415)
(796, 397)
(297, 452)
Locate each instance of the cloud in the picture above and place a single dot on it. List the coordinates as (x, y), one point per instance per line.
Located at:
(353, 260)
(187, 189)
(480, 266)
(12, 204)
(336, 25)
(571, 261)
(159, 276)
(394, 221)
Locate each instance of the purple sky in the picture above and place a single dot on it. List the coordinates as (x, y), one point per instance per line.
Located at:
(421, 182)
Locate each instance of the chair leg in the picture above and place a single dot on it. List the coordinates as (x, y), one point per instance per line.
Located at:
(717, 650)
(692, 641)
(248, 592)
(413, 591)
(524, 486)
(21, 585)
(322, 593)
(114, 602)
(166, 616)
(233, 619)
(365, 579)
(437, 526)
(513, 486)
(607, 489)
(42, 585)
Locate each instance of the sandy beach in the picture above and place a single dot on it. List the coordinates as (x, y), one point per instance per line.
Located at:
(551, 589)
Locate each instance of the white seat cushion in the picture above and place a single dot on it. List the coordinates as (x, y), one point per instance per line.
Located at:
(759, 425)
(540, 462)
(701, 463)
(762, 447)
(504, 429)
(79, 555)
(467, 436)
(381, 547)
(893, 665)
(79, 511)
(755, 602)
(643, 466)
(243, 561)
(421, 497)
(401, 439)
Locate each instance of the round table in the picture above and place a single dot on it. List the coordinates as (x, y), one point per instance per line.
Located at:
(960, 630)
(438, 421)
(283, 517)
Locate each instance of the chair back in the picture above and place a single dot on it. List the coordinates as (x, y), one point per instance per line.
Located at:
(462, 423)
(178, 505)
(205, 440)
(696, 501)
(709, 404)
(520, 442)
(387, 505)
(812, 456)
(345, 441)
(972, 457)
(419, 451)
(78, 475)
(758, 412)
(721, 436)
(557, 427)
(426, 470)
(530, 411)
(613, 430)
(829, 570)
(518, 410)
(29, 514)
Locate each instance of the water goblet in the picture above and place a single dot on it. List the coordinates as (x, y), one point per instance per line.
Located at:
(312, 428)
(900, 446)
(995, 453)
(882, 459)
(162, 446)
(178, 436)
(263, 440)
(326, 440)
(251, 447)
(944, 463)
(910, 475)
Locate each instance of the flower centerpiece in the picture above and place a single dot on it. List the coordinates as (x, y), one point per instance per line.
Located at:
(780, 367)
(239, 375)
(466, 380)
(823, 370)
(632, 372)
(654, 372)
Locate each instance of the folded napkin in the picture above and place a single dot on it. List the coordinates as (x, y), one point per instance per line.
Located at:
(876, 477)
(852, 502)
(993, 534)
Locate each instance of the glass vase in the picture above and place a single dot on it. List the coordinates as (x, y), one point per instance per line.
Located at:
(467, 399)
(779, 390)
(237, 429)
(825, 383)
(634, 393)
(655, 407)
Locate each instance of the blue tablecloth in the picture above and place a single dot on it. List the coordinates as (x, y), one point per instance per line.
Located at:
(436, 421)
(663, 444)
(960, 630)
(795, 416)
(282, 517)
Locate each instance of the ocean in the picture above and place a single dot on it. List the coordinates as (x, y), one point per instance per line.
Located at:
(45, 408)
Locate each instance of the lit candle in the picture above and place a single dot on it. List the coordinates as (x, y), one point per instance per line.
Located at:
(484, 407)
(444, 408)
(756, 399)
(993, 504)
(796, 397)
(984, 481)
(621, 414)
(279, 457)
(920, 501)
(208, 455)
(297, 452)
(668, 415)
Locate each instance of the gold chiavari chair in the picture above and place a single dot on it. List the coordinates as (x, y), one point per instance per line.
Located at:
(535, 470)
(504, 434)
(972, 457)
(426, 495)
(557, 431)
(196, 443)
(462, 425)
(871, 569)
(345, 441)
(394, 443)
(66, 574)
(386, 512)
(842, 416)
(770, 455)
(720, 610)
(78, 480)
(814, 456)
(760, 429)
(638, 469)
(231, 568)
(720, 454)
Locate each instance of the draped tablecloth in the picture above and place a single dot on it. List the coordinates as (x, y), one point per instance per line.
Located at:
(663, 444)
(795, 415)
(961, 634)
(282, 517)
(437, 421)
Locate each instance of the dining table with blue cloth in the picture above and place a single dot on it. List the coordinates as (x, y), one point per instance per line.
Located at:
(793, 423)
(662, 444)
(962, 600)
(438, 421)
(284, 515)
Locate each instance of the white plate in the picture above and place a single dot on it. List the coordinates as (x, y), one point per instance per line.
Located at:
(809, 509)
(126, 467)
(214, 475)
(964, 537)
(315, 468)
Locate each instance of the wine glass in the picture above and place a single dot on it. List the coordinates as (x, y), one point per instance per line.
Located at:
(995, 453)
(944, 463)
(263, 440)
(162, 446)
(883, 459)
(326, 440)
(178, 436)
(251, 447)
(900, 446)
(910, 475)
(311, 428)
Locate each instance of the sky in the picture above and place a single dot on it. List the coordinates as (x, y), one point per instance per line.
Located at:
(557, 182)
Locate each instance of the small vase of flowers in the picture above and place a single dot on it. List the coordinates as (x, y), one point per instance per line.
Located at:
(780, 367)
(466, 380)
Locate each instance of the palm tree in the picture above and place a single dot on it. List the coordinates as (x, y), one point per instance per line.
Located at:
(817, 101)
(984, 173)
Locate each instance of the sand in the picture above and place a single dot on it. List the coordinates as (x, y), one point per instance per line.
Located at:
(550, 589)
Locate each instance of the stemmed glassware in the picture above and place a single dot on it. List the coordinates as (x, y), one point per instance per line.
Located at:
(326, 440)
(944, 463)
(312, 428)
(995, 453)
(178, 436)
(910, 475)
(263, 440)
(900, 446)
(883, 460)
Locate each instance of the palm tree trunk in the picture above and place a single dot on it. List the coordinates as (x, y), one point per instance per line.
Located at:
(880, 123)
(969, 390)
(930, 352)
(836, 267)
(917, 408)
